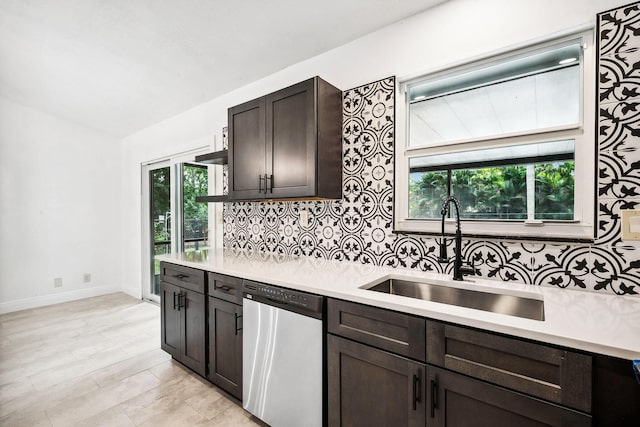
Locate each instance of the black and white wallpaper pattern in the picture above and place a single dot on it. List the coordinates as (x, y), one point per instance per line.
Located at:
(359, 226)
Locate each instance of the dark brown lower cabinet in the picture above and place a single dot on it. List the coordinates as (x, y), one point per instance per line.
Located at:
(170, 319)
(371, 387)
(225, 346)
(183, 326)
(616, 393)
(460, 401)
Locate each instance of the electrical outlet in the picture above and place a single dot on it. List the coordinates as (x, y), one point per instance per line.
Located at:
(304, 218)
(57, 282)
(86, 277)
(630, 224)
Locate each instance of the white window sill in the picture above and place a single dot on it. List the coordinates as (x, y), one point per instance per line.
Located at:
(502, 229)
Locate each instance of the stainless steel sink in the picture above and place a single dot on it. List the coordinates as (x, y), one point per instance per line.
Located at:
(511, 305)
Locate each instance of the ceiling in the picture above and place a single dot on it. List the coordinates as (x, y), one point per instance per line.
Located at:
(119, 66)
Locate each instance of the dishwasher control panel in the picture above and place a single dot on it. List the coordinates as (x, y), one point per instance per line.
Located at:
(255, 290)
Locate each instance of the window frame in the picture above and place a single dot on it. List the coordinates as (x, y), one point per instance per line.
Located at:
(582, 227)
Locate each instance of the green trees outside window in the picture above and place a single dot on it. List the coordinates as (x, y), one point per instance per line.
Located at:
(196, 215)
(499, 192)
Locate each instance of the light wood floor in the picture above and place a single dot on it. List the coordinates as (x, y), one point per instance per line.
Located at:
(97, 362)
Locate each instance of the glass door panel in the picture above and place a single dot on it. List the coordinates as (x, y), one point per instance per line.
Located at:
(195, 215)
(160, 215)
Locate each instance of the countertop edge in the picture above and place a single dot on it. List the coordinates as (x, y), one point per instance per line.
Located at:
(498, 323)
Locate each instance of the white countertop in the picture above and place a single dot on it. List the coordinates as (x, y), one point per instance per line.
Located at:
(605, 324)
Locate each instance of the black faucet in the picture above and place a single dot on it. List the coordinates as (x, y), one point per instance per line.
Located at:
(459, 270)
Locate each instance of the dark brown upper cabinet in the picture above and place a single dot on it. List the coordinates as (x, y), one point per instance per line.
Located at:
(287, 144)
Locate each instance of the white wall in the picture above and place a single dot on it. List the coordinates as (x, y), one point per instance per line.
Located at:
(59, 209)
(445, 35)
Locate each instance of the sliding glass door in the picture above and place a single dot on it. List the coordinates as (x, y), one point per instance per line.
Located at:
(173, 220)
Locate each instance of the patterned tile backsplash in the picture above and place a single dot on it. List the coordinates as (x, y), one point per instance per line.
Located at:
(359, 226)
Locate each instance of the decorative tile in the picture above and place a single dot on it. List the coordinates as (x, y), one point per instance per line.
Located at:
(564, 266)
(352, 248)
(351, 129)
(608, 227)
(328, 233)
(353, 161)
(619, 77)
(377, 237)
(502, 261)
(412, 252)
(288, 229)
(378, 173)
(619, 126)
(615, 270)
(352, 103)
(225, 138)
(619, 30)
(619, 174)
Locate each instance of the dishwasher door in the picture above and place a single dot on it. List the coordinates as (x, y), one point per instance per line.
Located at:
(281, 366)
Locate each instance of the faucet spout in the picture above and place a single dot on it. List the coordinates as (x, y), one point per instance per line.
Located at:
(458, 270)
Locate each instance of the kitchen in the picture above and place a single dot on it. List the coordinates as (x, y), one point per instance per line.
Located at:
(358, 228)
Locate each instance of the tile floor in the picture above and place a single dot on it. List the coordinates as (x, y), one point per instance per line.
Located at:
(97, 362)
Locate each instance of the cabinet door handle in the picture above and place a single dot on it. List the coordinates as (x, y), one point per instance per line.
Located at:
(434, 398)
(269, 183)
(175, 305)
(224, 288)
(260, 179)
(182, 301)
(416, 391)
(238, 329)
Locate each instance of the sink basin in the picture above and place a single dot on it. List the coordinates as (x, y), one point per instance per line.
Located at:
(511, 305)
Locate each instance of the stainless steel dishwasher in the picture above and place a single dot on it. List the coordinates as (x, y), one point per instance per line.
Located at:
(282, 355)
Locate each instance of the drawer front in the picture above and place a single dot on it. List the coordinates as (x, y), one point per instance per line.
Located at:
(549, 373)
(398, 333)
(227, 288)
(185, 277)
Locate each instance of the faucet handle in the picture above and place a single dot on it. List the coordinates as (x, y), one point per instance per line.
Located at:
(469, 269)
(443, 258)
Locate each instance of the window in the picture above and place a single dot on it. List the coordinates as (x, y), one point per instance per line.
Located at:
(510, 136)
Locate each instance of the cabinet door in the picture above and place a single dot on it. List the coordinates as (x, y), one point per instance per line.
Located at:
(247, 150)
(225, 346)
(616, 393)
(170, 319)
(193, 337)
(459, 401)
(370, 387)
(291, 141)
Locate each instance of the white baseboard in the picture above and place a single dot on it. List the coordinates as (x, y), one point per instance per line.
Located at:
(136, 293)
(40, 301)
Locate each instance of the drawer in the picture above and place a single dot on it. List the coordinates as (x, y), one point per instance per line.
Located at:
(227, 288)
(539, 370)
(185, 277)
(398, 333)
